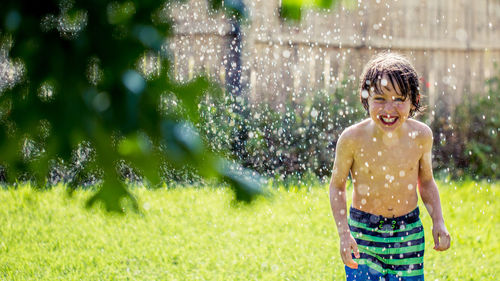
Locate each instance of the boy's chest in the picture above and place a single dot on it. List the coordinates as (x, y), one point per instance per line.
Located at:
(380, 159)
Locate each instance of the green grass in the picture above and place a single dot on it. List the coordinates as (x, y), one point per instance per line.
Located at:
(198, 234)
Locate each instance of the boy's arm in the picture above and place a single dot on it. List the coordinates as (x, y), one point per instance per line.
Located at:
(430, 195)
(341, 168)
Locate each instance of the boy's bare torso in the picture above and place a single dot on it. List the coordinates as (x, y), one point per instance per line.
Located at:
(385, 168)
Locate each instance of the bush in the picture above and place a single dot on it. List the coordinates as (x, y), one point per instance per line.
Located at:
(288, 140)
(468, 143)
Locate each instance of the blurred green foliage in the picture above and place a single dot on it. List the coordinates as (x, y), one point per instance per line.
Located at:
(292, 9)
(82, 83)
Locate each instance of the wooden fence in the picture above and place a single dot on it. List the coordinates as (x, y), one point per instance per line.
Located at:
(454, 45)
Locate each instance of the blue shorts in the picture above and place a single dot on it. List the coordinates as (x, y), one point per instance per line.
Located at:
(389, 248)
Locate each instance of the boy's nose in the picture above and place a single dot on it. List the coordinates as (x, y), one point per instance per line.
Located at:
(389, 106)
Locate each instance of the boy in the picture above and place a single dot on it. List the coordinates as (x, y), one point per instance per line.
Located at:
(388, 156)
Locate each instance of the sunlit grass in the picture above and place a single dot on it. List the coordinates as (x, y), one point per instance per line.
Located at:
(198, 234)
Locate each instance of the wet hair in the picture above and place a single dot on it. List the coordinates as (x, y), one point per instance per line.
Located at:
(400, 72)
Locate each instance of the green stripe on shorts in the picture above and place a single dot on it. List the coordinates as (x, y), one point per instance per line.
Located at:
(403, 239)
(389, 251)
(402, 273)
(407, 261)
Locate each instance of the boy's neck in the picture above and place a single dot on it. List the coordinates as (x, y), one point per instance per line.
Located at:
(387, 137)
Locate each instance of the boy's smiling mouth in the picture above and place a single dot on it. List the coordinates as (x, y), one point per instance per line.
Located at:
(388, 120)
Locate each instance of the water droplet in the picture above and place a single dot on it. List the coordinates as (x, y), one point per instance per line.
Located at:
(461, 35)
(133, 81)
(363, 189)
(149, 65)
(410, 186)
(101, 102)
(314, 113)
(118, 13)
(46, 91)
(69, 25)
(11, 72)
(383, 82)
(94, 72)
(364, 94)
(13, 19)
(402, 173)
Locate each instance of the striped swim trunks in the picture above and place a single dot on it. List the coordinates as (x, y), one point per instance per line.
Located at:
(389, 248)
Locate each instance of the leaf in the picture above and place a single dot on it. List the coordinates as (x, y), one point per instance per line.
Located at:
(113, 195)
(246, 184)
(291, 9)
(190, 94)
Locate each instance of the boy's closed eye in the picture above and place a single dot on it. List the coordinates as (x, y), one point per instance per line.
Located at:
(381, 98)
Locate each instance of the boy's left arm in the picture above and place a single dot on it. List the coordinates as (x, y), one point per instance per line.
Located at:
(430, 196)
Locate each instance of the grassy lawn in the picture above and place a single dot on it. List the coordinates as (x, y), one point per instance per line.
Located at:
(198, 234)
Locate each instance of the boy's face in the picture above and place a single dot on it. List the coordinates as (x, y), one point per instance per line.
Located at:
(388, 109)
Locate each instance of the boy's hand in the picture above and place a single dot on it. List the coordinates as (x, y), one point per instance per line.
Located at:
(348, 244)
(441, 237)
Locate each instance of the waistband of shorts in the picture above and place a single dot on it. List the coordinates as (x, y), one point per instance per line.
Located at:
(365, 217)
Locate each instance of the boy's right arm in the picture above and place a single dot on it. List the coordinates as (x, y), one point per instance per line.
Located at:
(341, 167)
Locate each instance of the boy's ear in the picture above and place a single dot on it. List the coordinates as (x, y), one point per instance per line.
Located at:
(413, 107)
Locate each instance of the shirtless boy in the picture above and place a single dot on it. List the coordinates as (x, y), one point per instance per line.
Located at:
(388, 156)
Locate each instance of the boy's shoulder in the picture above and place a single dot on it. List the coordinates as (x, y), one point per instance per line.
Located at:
(419, 129)
(356, 131)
